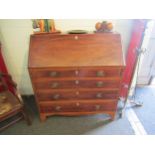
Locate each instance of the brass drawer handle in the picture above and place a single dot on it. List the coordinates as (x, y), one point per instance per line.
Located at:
(77, 104)
(99, 84)
(97, 107)
(76, 82)
(57, 108)
(99, 95)
(76, 72)
(77, 92)
(56, 96)
(54, 85)
(100, 74)
(76, 37)
(53, 74)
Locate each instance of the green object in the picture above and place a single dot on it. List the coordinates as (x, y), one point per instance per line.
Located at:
(49, 25)
(46, 25)
(104, 22)
(34, 24)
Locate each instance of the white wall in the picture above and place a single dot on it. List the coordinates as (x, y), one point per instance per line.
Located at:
(14, 36)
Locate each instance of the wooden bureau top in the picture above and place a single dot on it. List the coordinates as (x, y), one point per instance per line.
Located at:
(75, 50)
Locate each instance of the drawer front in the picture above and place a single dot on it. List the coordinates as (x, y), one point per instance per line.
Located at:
(103, 72)
(78, 107)
(79, 72)
(60, 95)
(59, 84)
(53, 73)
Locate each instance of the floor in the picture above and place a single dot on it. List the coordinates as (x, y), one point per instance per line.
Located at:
(92, 125)
(146, 113)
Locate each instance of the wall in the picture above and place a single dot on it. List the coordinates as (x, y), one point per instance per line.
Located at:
(14, 36)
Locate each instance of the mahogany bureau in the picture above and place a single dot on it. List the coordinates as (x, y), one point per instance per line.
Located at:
(76, 74)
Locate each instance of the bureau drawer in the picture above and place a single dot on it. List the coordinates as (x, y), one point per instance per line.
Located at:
(57, 73)
(100, 72)
(78, 106)
(64, 84)
(75, 94)
(77, 72)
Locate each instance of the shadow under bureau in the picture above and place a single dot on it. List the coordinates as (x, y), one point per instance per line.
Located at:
(76, 74)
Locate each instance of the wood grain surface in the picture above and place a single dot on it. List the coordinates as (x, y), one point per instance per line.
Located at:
(76, 74)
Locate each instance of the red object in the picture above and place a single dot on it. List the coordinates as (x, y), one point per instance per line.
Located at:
(135, 43)
(3, 69)
(2, 64)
